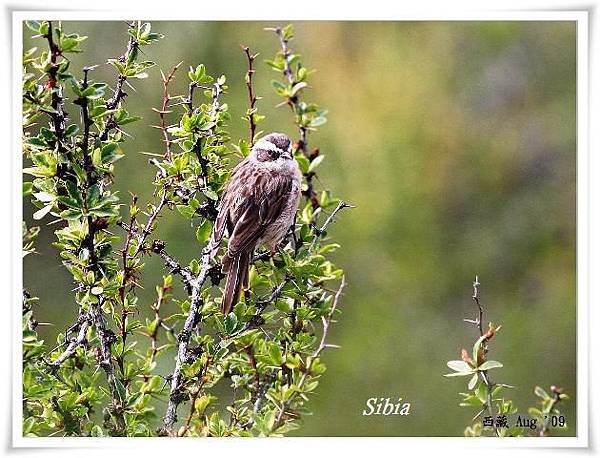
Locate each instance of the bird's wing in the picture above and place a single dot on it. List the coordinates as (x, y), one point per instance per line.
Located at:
(228, 201)
(258, 198)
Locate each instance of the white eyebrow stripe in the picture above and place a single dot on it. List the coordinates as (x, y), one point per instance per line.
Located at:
(267, 146)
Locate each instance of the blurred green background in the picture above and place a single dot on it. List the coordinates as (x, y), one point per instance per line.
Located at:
(457, 143)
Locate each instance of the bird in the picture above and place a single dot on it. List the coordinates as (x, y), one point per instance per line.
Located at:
(257, 209)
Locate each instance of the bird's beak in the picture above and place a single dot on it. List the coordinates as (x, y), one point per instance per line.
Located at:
(287, 155)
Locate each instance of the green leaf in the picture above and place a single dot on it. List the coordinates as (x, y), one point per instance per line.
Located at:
(540, 392)
(43, 212)
(316, 162)
(279, 87)
(473, 381)
(275, 354)
(203, 231)
(230, 323)
(122, 392)
(288, 32)
(27, 188)
(489, 365)
(111, 153)
(477, 347)
(34, 25)
(303, 162)
(74, 193)
(297, 87)
(73, 129)
(459, 366)
(458, 374)
(481, 393)
(93, 196)
(211, 194)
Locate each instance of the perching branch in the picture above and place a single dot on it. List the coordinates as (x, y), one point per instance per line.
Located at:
(176, 394)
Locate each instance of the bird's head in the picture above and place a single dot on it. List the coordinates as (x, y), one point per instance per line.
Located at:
(273, 147)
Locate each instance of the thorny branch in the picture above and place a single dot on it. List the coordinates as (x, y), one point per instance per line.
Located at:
(164, 109)
(93, 317)
(84, 324)
(293, 103)
(177, 394)
(58, 115)
(119, 93)
(484, 375)
(252, 99)
(158, 247)
(193, 284)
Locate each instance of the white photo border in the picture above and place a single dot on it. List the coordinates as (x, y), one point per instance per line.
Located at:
(210, 445)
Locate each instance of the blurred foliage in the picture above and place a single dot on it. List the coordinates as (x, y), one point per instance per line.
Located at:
(457, 143)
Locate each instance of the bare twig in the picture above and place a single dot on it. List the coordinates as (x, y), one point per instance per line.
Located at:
(158, 247)
(164, 109)
(252, 99)
(319, 232)
(74, 343)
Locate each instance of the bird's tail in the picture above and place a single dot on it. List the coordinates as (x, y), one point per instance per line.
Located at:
(236, 268)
